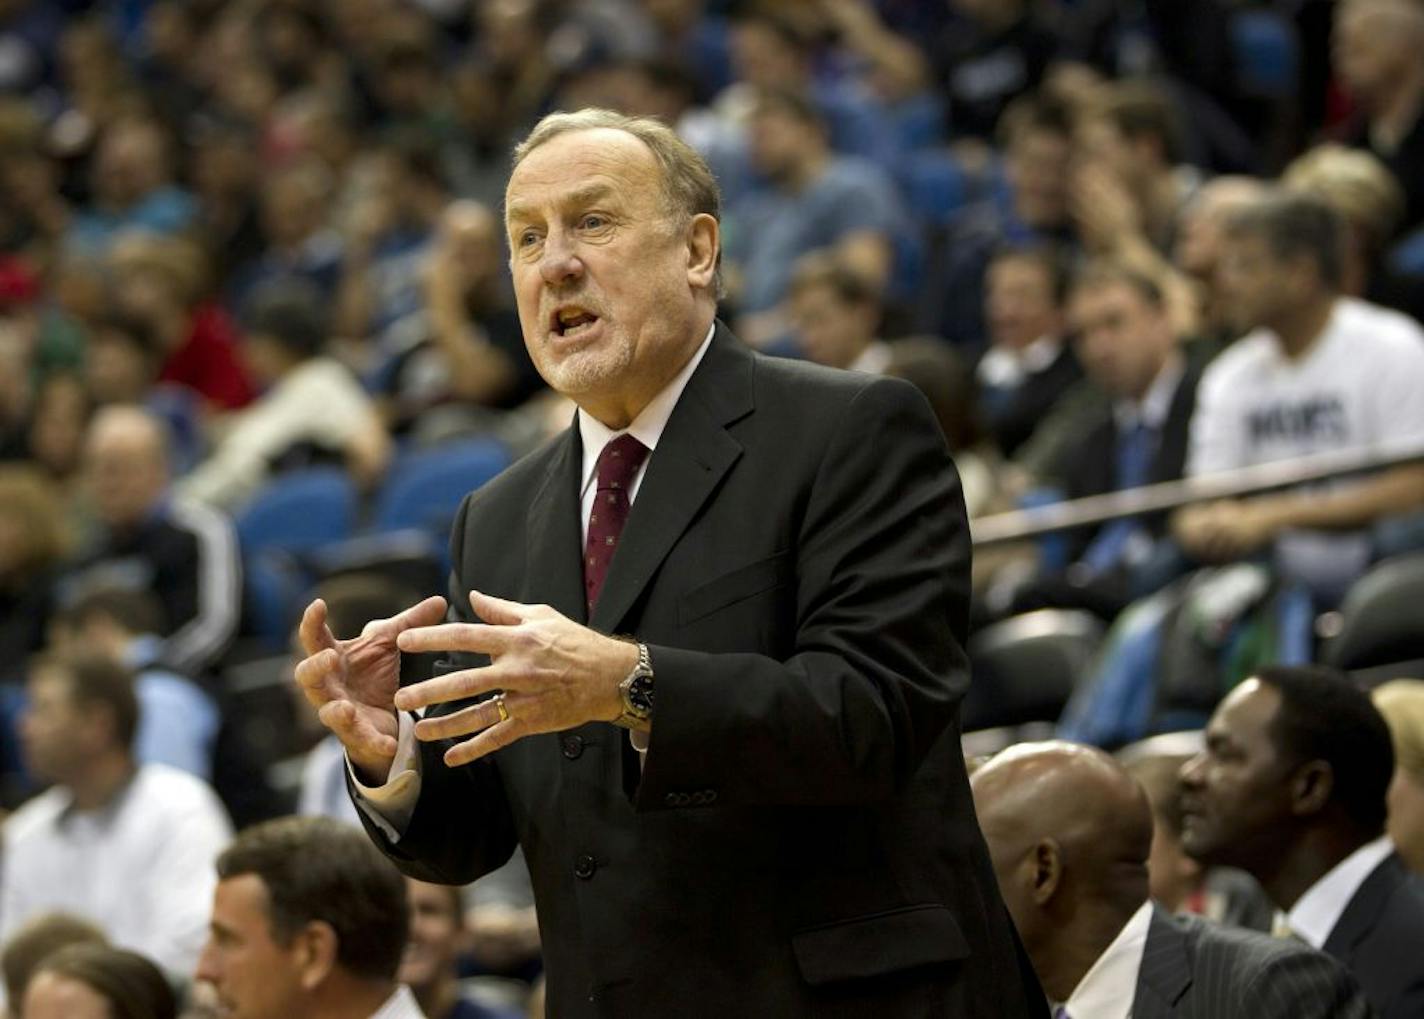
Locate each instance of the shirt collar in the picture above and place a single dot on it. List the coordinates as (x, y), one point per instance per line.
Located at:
(1317, 912)
(400, 1005)
(1153, 408)
(873, 360)
(648, 426)
(1006, 367)
(1107, 989)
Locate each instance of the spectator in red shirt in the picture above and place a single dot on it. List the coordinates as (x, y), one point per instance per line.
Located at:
(158, 280)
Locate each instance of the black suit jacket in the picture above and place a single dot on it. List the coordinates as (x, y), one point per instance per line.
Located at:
(1193, 969)
(1380, 937)
(1013, 417)
(802, 839)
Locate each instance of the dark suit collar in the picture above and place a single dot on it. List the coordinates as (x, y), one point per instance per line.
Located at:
(1166, 971)
(1363, 910)
(693, 455)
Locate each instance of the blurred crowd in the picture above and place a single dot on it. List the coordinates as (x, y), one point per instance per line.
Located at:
(257, 337)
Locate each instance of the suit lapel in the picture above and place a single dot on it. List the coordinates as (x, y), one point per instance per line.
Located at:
(694, 453)
(555, 546)
(1364, 908)
(1166, 971)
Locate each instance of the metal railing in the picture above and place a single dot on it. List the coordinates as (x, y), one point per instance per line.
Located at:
(1016, 525)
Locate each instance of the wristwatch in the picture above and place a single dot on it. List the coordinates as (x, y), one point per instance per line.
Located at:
(637, 692)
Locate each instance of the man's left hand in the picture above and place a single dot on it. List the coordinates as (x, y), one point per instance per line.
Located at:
(555, 674)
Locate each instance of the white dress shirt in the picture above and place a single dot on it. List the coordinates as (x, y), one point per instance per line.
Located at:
(1156, 403)
(1316, 913)
(390, 806)
(400, 1005)
(1107, 990)
(1008, 368)
(140, 867)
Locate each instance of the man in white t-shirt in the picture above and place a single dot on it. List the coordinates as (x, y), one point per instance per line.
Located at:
(1318, 373)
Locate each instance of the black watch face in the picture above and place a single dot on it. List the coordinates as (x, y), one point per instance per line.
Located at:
(640, 693)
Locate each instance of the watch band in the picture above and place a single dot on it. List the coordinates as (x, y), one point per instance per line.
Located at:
(636, 690)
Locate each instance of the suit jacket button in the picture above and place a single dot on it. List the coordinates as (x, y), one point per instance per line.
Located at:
(670, 799)
(585, 867)
(711, 795)
(572, 746)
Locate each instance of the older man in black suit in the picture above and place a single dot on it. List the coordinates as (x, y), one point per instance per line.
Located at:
(736, 805)
(1291, 787)
(1070, 831)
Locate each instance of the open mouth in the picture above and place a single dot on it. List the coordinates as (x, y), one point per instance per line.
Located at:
(571, 321)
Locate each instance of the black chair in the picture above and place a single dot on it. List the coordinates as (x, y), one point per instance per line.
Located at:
(1381, 620)
(1026, 667)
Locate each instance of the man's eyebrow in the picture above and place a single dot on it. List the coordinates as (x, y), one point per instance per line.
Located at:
(586, 195)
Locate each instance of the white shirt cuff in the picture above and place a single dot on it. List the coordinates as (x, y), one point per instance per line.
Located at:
(390, 807)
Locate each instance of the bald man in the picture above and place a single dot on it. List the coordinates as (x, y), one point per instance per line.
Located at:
(184, 553)
(1069, 834)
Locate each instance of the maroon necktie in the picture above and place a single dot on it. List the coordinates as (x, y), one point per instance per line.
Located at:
(617, 467)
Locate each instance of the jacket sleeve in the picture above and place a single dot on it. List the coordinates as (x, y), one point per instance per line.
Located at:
(461, 827)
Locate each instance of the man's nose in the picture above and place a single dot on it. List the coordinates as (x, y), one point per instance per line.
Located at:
(206, 970)
(1189, 775)
(559, 261)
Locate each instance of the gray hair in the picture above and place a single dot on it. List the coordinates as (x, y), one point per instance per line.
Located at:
(688, 185)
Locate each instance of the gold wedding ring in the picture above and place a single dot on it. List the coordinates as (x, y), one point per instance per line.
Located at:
(502, 708)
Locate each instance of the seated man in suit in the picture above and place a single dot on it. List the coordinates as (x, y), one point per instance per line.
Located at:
(1291, 787)
(1069, 832)
(1029, 364)
(1128, 347)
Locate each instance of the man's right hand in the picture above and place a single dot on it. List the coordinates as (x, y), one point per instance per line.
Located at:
(352, 683)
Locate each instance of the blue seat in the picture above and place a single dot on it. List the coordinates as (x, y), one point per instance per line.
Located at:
(1407, 257)
(1267, 53)
(936, 186)
(425, 487)
(293, 516)
(298, 511)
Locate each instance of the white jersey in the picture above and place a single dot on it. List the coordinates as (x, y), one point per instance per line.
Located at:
(1360, 385)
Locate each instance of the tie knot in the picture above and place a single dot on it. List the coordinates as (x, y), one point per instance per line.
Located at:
(619, 462)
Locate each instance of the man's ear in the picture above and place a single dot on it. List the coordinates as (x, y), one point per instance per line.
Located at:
(315, 954)
(1046, 861)
(1310, 787)
(704, 245)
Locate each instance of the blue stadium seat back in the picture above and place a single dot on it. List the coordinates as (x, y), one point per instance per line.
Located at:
(181, 410)
(1407, 257)
(298, 512)
(273, 583)
(936, 186)
(1267, 52)
(1380, 621)
(408, 560)
(916, 123)
(1025, 668)
(425, 487)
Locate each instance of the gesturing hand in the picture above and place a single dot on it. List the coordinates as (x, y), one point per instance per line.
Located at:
(352, 683)
(555, 674)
